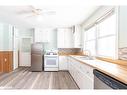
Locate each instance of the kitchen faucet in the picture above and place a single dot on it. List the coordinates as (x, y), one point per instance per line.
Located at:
(87, 53)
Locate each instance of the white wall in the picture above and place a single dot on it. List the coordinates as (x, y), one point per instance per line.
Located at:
(6, 37)
(123, 26)
(1, 36)
(96, 15)
(25, 32)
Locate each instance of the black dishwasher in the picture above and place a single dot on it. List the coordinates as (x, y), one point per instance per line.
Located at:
(103, 81)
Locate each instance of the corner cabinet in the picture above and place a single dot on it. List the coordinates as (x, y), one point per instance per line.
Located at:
(81, 73)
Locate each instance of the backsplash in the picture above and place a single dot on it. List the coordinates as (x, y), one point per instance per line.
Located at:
(123, 53)
(66, 51)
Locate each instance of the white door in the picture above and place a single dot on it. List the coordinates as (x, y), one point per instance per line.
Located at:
(25, 52)
(15, 49)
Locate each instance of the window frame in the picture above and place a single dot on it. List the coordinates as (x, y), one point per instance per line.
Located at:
(95, 24)
(86, 40)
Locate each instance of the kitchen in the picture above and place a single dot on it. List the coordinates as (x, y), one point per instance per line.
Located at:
(63, 54)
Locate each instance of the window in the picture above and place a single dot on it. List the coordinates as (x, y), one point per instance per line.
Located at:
(106, 37)
(100, 39)
(90, 40)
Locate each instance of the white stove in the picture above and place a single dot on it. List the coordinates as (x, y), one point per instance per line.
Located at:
(51, 61)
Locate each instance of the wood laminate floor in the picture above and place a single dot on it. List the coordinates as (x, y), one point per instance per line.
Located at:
(23, 78)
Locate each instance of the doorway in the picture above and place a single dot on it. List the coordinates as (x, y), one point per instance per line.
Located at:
(25, 51)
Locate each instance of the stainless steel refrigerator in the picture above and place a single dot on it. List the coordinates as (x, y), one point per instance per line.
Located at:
(37, 57)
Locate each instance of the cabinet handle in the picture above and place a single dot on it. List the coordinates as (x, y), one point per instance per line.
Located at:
(5, 60)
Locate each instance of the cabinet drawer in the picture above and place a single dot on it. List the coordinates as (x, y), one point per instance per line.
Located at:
(83, 81)
(88, 70)
(81, 73)
(87, 83)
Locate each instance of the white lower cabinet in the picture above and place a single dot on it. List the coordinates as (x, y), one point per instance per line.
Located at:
(81, 73)
(85, 82)
(63, 63)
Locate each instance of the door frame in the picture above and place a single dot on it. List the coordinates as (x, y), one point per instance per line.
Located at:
(20, 43)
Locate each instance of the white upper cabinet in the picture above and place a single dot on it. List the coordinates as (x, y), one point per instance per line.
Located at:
(41, 35)
(64, 38)
(69, 38)
(77, 36)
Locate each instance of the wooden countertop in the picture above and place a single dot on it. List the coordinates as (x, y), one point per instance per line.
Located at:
(116, 71)
(68, 54)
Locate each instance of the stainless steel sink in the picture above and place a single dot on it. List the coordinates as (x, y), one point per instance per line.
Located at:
(85, 57)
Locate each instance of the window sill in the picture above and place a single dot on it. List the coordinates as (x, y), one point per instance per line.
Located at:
(120, 62)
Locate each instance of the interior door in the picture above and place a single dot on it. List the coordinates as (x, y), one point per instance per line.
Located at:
(25, 52)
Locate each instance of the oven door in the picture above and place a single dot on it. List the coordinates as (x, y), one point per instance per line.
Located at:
(51, 61)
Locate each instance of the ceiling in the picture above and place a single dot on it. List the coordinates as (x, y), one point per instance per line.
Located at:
(65, 16)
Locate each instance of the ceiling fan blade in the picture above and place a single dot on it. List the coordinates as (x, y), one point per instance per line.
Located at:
(48, 13)
(41, 11)
(35, 10)
(24, 12)
(30, 17)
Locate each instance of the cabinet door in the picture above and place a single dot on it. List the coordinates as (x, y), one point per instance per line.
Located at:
(87, 83)
(60, 38)
(10, 61)
(80, 74)
(41, 35)
(82, 80)
(63, 65)
(38, 35)
(68, 38)
(1, 62)
(65, 38)
(5, 62)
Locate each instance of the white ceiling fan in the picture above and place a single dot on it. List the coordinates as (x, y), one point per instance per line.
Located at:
(34, 11)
